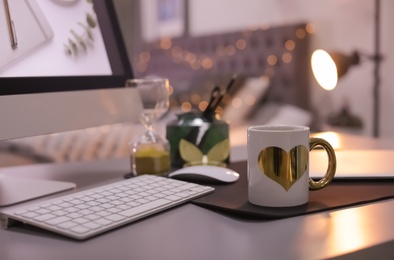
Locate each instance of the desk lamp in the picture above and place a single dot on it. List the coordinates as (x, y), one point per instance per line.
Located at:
(329, 67)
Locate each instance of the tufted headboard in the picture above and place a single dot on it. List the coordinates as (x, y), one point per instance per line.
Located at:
(195, 64)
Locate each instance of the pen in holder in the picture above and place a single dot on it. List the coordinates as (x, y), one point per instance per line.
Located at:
(216, 99)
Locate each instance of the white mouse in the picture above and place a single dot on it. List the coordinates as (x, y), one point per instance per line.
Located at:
(205, 173)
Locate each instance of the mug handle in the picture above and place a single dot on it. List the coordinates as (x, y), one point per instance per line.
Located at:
(332, 163)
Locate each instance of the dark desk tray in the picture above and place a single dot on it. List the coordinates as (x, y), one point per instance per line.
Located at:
(233, 198)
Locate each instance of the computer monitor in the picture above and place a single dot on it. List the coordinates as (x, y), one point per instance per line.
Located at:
(67, 71)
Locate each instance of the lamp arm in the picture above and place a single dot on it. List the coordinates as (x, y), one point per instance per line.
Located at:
(372, 57)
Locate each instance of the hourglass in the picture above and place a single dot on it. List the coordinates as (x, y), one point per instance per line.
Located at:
(150, 154)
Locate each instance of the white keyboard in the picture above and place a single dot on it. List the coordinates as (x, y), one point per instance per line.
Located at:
(87, 213)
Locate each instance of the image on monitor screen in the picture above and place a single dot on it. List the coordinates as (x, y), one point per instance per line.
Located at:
(70, 46)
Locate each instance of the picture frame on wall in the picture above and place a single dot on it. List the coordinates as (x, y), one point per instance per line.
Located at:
(163, 18)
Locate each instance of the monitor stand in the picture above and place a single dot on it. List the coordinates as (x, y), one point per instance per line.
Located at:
(14, 190)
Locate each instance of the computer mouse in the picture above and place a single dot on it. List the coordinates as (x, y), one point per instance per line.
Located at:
(205, 174)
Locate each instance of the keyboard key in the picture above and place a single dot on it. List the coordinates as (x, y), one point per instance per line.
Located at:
(123, 207)
(145, 207)
(187, 186)
(142, 201)
(81, 220)
(92, 217)
(21, 212)
(74, 215)
(125, 200)
(103, 200)
(86, 212)
(136, 197)
(44, 217)
(76, 202)
(133, 204)
(71, 209)
(115, 217)
(57, 220)
(33, 208)
(46, 205)
(30, 214)
(107, 205)
(173, 198)
(82, 206)
(150, 198)
(114, 210)
(103, 213)
(96, 196)
(60, 212)
(96, 208)
(106, 193)
(91, 225)
(80, 229)
(54, 208)
(67, 225)
(86, 199)
(116, 202)
(65, 205)
(93, 203)
(112, 197)
(103, 222)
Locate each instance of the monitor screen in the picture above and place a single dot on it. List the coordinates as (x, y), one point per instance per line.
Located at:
(59, 46)
(63, 66)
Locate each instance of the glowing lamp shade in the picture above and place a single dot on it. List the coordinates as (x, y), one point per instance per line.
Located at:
(329, 67)
(324, 69)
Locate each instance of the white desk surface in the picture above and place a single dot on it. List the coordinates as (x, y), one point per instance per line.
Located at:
(192, 232)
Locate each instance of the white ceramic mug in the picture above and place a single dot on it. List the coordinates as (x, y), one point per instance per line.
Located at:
(278, 165)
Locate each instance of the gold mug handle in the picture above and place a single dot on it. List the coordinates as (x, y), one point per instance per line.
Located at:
(332, 163)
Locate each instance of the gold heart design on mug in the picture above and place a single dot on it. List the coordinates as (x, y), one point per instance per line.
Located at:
(283, 167)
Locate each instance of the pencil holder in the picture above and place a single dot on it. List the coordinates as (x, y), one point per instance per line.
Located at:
(196, 140)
